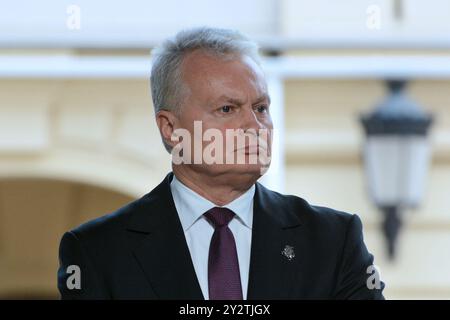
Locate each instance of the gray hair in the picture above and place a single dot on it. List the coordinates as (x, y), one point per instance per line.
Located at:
(166, 77)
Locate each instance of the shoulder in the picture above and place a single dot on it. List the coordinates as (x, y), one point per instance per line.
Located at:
(309, 215)
(139, 215)
(110, 225)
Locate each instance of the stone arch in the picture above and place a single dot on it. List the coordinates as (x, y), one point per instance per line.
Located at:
(34, 214)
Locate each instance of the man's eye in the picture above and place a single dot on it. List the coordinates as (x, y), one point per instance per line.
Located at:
(225, 109)
(261, 108)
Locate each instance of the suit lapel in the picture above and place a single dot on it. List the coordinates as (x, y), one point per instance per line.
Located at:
(162, 250)
(160, 247)
(271, 273)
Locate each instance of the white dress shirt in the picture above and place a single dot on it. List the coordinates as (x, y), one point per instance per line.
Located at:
(198, 231)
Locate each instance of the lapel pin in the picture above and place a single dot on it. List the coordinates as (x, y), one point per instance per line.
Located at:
(288, 252)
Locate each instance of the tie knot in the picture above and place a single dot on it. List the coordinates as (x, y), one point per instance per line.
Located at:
(219, 217)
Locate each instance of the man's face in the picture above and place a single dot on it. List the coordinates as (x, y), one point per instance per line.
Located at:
(227, 95)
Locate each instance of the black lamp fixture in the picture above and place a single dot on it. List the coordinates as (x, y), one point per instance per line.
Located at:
(396, 157)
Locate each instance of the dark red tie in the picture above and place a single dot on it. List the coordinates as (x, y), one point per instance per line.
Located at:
(224, 279)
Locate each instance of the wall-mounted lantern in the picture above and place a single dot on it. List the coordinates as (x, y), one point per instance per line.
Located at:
(396, 157)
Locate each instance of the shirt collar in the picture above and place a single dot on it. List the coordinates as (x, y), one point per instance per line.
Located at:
(191, 206)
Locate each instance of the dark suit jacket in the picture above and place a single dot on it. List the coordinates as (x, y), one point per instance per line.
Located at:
(140, 252)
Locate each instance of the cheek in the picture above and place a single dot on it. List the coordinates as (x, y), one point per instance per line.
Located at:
(268, 121)
(210, 121)
(189, 116)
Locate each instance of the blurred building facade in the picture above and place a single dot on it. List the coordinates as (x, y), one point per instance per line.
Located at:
(78, 137)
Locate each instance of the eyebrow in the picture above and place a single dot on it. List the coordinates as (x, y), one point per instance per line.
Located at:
(262, 98)
(240, 102)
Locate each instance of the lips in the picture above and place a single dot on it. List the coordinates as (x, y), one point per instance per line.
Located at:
(250, 149)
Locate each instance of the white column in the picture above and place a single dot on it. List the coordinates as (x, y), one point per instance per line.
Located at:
(274, 177)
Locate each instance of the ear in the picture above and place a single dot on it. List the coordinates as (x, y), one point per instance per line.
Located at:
(166, 122)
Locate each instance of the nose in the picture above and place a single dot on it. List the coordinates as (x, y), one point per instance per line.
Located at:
(250, 120)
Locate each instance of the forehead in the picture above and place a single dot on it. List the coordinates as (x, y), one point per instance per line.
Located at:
(209, 76)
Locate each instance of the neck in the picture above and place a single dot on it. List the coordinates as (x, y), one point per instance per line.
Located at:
(216, 189)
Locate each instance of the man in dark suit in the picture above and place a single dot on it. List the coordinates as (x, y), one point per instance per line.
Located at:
(209, 230)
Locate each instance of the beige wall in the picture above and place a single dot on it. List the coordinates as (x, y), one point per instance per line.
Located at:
(95, 147)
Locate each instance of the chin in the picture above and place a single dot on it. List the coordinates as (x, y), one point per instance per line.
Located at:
(252, 171)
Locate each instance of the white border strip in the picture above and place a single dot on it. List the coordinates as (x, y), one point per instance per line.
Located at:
(371, 66)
